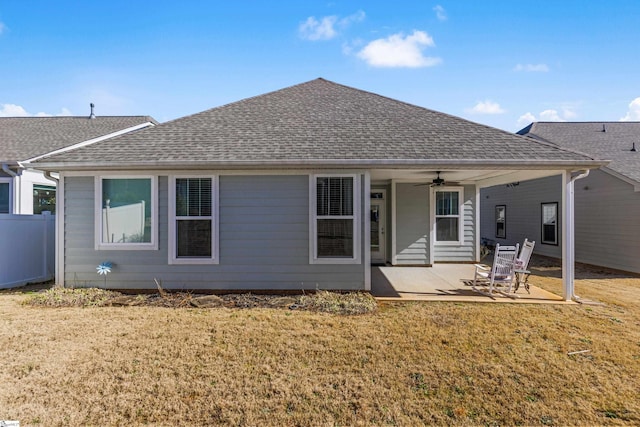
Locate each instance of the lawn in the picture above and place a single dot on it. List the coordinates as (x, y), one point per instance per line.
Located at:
(406, 364)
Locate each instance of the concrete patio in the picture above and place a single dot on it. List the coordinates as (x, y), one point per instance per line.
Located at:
(444, 282)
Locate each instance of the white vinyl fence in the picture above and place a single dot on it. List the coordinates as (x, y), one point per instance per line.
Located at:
(27, 249)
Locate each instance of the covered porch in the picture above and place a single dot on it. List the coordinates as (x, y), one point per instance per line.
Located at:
(444, 282)
(404, 233)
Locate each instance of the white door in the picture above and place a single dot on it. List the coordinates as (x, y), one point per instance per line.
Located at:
(378, 222)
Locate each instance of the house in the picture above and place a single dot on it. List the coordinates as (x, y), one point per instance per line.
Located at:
(24, 139)
(28, 241)
(301, 188)
(607, 201)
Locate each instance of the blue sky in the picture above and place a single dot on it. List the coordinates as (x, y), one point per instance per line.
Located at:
(501, 63)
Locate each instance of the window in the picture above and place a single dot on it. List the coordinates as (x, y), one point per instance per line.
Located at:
(192, 223)
(501, 221)
(550, 223)
(126, 213)
(448, 220)
(5, 195)
(334, 204)
(44, 198)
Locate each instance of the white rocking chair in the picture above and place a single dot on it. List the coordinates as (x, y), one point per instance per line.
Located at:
(500, 274)
(522, 265)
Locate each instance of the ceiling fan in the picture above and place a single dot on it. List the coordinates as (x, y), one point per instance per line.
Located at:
(438, 182)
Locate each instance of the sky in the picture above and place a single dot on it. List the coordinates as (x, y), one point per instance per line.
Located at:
(503, 63)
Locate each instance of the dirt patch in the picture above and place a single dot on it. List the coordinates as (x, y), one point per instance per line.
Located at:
(324, 301)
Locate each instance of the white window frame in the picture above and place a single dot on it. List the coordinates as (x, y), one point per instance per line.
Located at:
(313, 220)
(460, 216)
(10, 182)
(99, 244)
(173, 219)
(557, 228)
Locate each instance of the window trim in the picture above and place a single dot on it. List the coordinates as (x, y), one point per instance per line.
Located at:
(8, 180)
(504, 221)
(557, 224)
(313, 220)
(215, 222)
(99, 244)
(460, 216)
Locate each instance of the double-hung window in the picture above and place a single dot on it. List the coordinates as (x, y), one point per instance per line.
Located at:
(193, 220)
(448, 216)
(335, 233)
(5, 195)
(126, 212)
(550, 223)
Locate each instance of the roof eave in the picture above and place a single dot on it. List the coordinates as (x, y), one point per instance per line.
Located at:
(442, 164)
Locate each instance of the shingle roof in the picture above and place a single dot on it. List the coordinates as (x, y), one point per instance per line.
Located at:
(22, 138)
(614, 143)
(313, 122)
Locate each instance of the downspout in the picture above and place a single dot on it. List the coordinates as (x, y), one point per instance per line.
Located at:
(48, 175)
(16, 184)
(571, 232)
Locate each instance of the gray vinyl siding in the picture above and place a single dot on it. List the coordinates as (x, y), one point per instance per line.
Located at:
(263, 232)
(412, 224)
(524, 212)
(606, 218)
(466, 251)
(607, 212)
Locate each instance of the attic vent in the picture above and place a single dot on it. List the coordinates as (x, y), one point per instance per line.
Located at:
(633, 148)
(92, 116)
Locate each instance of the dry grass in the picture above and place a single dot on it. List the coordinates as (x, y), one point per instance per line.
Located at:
(407, 364)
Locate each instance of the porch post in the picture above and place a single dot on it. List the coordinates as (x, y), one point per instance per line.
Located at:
(366, 259)
(568, 250)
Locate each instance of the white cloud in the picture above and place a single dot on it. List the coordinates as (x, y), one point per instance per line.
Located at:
(326, 28)
(551, 116)
(440, 13)
(356, 17)
(13, 110)
(399, 51)
(526, 119)
(486, 107)
(633, 114)
(312, 29)
(532, 68)
(569, 114)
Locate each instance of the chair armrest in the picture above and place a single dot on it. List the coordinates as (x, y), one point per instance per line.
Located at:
(483, 267)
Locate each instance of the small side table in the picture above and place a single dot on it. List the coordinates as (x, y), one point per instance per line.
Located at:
(522, 277)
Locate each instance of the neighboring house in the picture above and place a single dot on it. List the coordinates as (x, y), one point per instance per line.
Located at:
(302, 188)
(607, 201)
(25, 139)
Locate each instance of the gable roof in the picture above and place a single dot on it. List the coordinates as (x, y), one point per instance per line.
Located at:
(23, 138)
(614, 143)
(314, 123)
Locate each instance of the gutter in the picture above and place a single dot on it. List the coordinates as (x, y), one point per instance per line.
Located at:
(329, 163)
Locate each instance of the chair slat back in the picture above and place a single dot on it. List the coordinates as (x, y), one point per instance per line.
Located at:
(525, 254)
(504, 262)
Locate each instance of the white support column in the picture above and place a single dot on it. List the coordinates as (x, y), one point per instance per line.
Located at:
(394, 255)
(367, 231)
(568, 237)
(60, 238)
